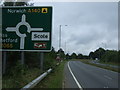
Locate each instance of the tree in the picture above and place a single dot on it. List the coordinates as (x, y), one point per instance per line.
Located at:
(91, 55)
(50, 59)
(110, 56)
(99, 52)
(53, 53)
(73, 56)
(67, 56)
(85, 57)
(61, 52)
(106, 55)
(80, 56)
(17, 3)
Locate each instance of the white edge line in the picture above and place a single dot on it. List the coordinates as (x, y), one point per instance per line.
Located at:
(107, 77)
(74, 77)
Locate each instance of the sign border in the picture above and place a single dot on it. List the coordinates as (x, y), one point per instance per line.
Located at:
(51, 28)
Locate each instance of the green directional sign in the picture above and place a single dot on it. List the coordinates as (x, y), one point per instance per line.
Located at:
(26, 28)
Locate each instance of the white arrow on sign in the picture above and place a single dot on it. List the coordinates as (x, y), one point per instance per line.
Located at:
(22, 36)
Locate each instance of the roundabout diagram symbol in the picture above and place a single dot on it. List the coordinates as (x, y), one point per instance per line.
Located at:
(22, 36)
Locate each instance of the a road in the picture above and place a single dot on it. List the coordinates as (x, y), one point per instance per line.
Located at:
(80, 75)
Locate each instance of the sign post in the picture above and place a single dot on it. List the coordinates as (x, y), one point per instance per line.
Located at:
(4, 62)
(41, 60)
(22, 57)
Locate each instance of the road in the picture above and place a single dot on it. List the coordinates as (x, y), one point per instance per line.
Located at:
(80, 75)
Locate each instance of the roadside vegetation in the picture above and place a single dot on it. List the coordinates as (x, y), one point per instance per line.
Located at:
(100, 55)
(55, 79)
(87, 61)
(106, 56)
(19, 78)
(18, 75)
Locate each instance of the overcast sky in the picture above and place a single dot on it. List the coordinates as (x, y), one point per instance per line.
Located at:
(90, 25)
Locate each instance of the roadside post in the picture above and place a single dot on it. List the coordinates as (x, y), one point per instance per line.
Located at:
(4, 62)
(22, 57)
(41, 60)
(0, 48)
(27, 29)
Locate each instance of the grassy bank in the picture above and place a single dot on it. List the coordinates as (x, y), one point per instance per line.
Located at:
(20, 78)
(105, 67)
(54, 79)
(111, 63)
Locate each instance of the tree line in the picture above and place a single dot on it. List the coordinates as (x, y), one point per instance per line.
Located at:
(105, 55)
(32, 59)
(99, 54)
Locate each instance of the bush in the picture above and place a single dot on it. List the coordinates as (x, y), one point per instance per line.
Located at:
(17, 70)
(110, 56)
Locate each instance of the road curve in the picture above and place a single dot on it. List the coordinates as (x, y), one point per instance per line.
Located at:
(77, 73)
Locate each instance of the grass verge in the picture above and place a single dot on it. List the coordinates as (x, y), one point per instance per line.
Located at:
(110, 63)
(19, 79)
(54, 79)
(105, 67)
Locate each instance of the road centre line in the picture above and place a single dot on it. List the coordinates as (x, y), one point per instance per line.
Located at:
(74, 77)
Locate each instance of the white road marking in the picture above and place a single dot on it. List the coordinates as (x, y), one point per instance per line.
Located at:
(108, 77)
(74, 77)
(106, 87)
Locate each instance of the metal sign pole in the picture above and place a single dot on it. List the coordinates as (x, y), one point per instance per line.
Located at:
(0, 70)
(22, 57)
(41, 60)
(4, 62)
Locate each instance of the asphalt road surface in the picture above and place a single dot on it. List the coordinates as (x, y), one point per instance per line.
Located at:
(80, 75)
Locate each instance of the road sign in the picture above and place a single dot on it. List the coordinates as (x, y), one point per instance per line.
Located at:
(26, 28)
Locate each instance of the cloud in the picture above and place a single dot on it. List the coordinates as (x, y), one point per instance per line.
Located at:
(90, 25)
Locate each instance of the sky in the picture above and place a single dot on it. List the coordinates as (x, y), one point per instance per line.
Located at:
(90, 25)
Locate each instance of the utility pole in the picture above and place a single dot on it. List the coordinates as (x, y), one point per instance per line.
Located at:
(60, 28)
(60, 37)
(65, 48)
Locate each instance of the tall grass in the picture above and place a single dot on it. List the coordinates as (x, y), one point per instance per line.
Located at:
(19, 76)
(55, 79)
